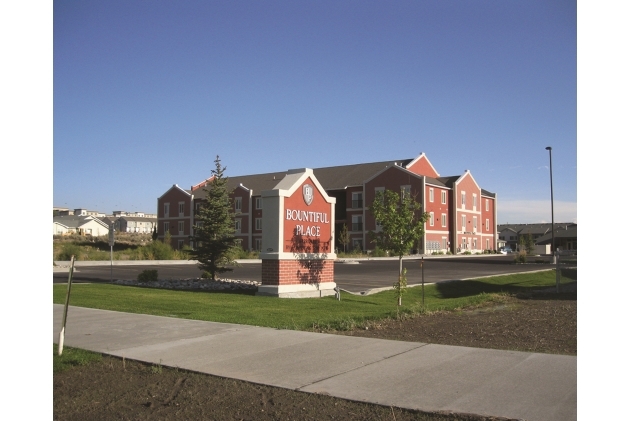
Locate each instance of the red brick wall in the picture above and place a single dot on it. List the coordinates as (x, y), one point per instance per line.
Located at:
(293, 272)
(391, 179)
(437, 207)
(173, 197)
(423, 167)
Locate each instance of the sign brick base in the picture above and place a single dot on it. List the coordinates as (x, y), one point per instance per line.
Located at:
(297, 278)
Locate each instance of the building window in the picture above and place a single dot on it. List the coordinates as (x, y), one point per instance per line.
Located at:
(443, 197)
(475, 244)
(181, 208)
(405, 191)
(475, 224)
(486, 204)
(199, 224)
(463, 221)
(237, 204)
(487, 244)
(463, 199)
(357, 200)
(180, 227)
(166, 227)
(475, 201)
(257, 203)
(357, 224)
(358, 244)
(486, 224)
(237, 226)
(443, 219)
(431, 195)
(198, 207)
(379, 190)
(258, 244)
(166, 209)
(444, 243)
(431, 219)
(258, 224)
(180, 244)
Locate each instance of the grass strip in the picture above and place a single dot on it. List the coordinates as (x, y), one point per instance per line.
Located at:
(303, 314)
(72, 357)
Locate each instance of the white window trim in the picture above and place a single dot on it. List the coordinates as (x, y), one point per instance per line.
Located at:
(443, 219)
(166, 209)
(258, 203)
(237, 201)
(237, 226)
(431, 195)
(443, 197)
(406, 189)
(431, 219)
(180, 209)
(258, 224)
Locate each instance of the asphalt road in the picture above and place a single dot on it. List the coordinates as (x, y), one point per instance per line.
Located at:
(364, 275)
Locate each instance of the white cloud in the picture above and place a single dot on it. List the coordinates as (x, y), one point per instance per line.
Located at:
(534, 211)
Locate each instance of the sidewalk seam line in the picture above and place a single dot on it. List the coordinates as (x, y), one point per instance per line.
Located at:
(357, 368)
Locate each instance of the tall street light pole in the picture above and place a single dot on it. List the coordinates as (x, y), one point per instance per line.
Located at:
(549, 149)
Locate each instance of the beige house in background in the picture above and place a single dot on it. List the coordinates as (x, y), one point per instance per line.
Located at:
(85, 225)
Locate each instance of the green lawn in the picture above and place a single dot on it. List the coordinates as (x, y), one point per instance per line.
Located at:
(71, 357)
(300, 314)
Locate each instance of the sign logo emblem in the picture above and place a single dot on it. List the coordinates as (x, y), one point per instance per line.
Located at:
(307, 193)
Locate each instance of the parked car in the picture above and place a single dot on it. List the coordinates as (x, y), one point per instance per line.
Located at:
(506, 250)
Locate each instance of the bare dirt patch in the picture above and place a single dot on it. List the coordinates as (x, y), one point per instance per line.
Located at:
(111, 389)
(543, 323)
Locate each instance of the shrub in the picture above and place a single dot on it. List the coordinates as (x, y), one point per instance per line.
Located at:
(467, 252)
(521, 257)
(377, 252)
(157, 250)
(148, 275)
(68, 250)
(206, 275)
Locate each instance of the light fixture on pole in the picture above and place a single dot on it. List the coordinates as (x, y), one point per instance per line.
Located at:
(549, 149)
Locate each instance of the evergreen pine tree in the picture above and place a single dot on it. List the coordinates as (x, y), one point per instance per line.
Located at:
(214, 239)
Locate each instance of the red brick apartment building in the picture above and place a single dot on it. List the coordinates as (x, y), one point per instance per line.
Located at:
(462, 215)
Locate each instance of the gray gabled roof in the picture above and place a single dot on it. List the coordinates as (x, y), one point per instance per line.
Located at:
(331, 178)
(524, 229)
(569, 231)
(72, 221)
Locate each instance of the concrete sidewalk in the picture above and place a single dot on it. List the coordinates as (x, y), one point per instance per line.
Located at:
(403, 374)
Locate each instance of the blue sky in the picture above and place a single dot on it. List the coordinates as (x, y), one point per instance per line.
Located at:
(146, 94)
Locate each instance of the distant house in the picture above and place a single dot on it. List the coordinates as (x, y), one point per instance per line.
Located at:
(84, 225)
(510, 234)
(85, 212)
(135, 224)
(564, 237)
